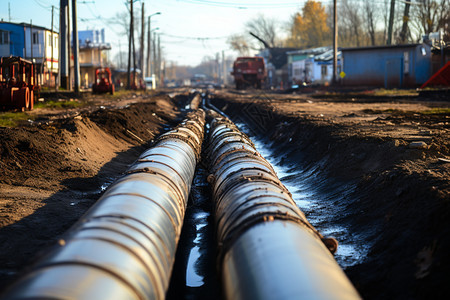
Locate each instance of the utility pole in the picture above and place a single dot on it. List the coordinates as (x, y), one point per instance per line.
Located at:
(335, 42)
(24, 42)
(154, 57)
(163, 72)
(31, 39)
(134, 60)
(159, 61)
(149, 35)
(149, 70)
(224, 69)
(63, 66)
(404, 32)
(129, 46)
(120, 56)
(141, 50)
(76, 63)
(69, 48)
(391, 23)
(216, 66)
(9, 11)
(51, 59)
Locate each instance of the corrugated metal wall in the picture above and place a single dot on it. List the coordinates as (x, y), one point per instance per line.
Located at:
(388, 67)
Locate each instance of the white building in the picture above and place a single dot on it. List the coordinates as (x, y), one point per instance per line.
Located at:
(312, 65)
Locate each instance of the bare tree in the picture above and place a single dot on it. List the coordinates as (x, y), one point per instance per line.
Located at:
(122, 20)
(371, 19)
(240, 44)
(430, 16)
(266, 29)
(405, 32)
(350, 24)
(120, 60)
(385, 13)
(446, 21)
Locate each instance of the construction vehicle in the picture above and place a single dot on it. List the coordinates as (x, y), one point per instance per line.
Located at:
(17, 83)
(440, 79)
(103, 82)
(249, 72)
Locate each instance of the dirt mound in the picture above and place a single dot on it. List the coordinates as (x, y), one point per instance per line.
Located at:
(54, 169)
(399, 199)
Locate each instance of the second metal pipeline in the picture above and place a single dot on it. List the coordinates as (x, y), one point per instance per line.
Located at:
(124, 247)
(267, 248)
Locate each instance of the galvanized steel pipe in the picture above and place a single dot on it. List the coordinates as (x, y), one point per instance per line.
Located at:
(267, 248)
(124, 247)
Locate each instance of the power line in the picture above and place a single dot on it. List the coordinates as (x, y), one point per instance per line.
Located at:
(243, 5)
(47, 7)
(194, 37)
(98, 17)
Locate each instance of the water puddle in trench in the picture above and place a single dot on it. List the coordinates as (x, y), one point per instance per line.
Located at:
(193, 278)
(194, 274)
(320, 201)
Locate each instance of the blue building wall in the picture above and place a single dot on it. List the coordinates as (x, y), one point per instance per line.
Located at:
(16, 38)
(389, 66)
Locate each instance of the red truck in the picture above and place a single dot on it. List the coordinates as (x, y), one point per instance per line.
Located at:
(249, 72)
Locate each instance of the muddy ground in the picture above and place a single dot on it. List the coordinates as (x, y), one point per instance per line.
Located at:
(392, 151)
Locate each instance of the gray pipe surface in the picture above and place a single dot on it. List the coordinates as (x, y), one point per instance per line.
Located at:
(267, 248)
(124, 247)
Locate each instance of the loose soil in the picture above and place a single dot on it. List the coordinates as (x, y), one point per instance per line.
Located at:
(55, 168)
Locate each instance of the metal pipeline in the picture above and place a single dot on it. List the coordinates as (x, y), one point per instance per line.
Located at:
(124, 247)
(267, 248)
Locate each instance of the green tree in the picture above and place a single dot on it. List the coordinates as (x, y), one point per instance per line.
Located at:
(309, 28)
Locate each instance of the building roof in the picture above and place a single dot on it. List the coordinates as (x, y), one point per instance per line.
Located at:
(23, 24)
(313, 51)
(326, 56)
(380, 47)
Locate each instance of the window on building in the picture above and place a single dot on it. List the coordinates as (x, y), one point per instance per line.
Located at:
(324, 70)
(56, 42)
(50, 41)
(4, 37)
(424, 51)
(406, 62)
(36, 38)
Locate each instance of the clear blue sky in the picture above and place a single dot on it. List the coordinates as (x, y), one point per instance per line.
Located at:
(181, 21)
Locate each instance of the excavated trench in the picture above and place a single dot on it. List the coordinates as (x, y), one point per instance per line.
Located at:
(195, 274)
(319, 198)
(331, 197)
(389, 220)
